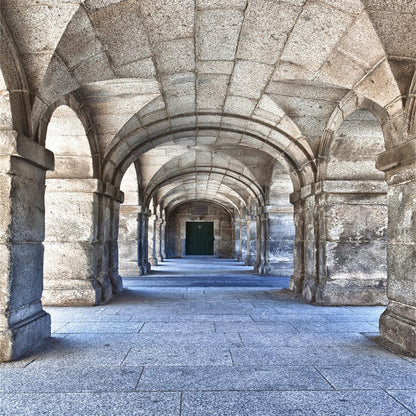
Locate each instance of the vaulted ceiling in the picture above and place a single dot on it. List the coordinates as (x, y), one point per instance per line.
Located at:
(213, 99)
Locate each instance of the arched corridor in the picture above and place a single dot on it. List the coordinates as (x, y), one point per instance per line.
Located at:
(135, 134)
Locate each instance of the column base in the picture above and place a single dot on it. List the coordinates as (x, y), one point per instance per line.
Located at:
(277, 269)
(24, 336)
(129, 269)
(153, 261)
(398, 328)
(73, 293)
(358, 296)
(116, 286)
(250, 261)
(295, 283)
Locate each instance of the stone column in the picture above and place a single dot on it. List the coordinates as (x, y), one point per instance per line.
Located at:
(344, 249)
(72, 246)
(279, 235)
(398, 322)
(251, 241)
(237, 237)
(158, 240)
(128, 239)
(79, 247)
(143, 260)
(261, 242)
(296, 280)
(23, 322)
(163, 238)
(243, 238)
(152, 239)
(309, 280)
(352, 258)
(114, 276)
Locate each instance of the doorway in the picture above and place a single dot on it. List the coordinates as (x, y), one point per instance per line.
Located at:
(200, 238)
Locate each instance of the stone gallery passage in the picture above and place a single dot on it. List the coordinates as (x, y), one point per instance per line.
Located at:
(254, 157)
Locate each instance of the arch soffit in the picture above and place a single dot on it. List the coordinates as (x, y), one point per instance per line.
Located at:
(215, 177)
(351, 103)
(219, 175)
(225, 203)
(15, 80)
(228, 208)
(72, 101)
(223, 192)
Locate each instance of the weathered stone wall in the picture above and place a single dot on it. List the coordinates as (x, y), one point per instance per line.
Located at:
(176, 229)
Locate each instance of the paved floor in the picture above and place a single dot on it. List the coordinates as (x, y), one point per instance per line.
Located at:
(208, 337)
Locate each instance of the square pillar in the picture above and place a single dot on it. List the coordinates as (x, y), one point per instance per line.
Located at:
(296, 280)
(398, 321)
(251, 256)
(278, 236)
(143, 252)
(352, 259)
(23, 322)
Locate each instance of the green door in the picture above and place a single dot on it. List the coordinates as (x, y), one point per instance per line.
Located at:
(200, 238)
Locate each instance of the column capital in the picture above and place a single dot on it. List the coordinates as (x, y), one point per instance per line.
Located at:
(343, 186)
(145, 211)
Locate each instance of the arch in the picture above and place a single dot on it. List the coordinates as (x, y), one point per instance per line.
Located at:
(252, 189)
(350, 104)
(73, 102)
(226, 198)
(268, 138)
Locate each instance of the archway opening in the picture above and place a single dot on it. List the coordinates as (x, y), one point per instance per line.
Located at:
(128, 224)
(72, 248)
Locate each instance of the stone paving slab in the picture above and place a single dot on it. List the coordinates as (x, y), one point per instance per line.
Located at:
(108, 327)
(190, 318)
(170, 339)
(267, 317)
(194, 327)
(370, 318)
(304, 340)
(382, 376)
(254, 327)
(334, 326)
(63, 356)
(88, 379)
(232, 378)
(91, 404)
(164, 355)
(353, 403)
(312, 356)
(407, 398)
